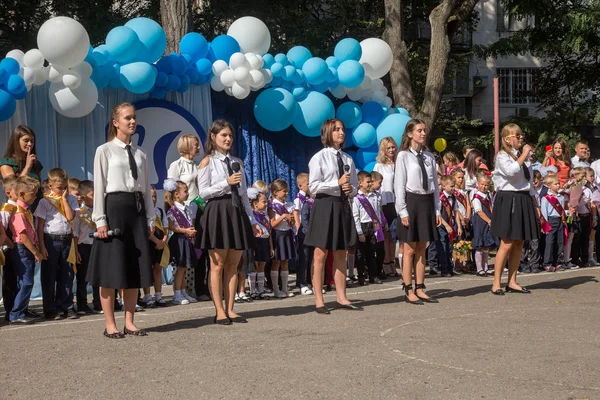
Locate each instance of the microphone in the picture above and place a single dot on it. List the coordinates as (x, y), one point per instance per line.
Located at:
(346, 168)
(235, 166)
(112, 232)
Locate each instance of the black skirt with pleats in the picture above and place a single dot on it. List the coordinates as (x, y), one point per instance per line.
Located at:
(224, 226)
(331, 226)
(514, 216)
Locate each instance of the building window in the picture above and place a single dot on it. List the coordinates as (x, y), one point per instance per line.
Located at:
(516, 86)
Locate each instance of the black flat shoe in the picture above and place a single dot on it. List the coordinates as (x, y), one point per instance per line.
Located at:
(350, 307)
(115, 335)
(425, 299)
(322, 310)
(224, 321)
(139, 332)
(512, 290)
(498, 292)
(409, 288)
(238, 320)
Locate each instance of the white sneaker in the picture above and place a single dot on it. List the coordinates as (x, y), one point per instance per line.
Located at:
(305, 290)
(180, 300)
(138, 308)
(188, 297)
(323, 291)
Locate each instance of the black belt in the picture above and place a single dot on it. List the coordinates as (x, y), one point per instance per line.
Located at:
(60, 238)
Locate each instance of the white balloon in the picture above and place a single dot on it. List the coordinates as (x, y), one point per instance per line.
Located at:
(63, 41)
(28, 76)
(252, 35)
(379, 96)
(384, 90)
(228, 91)
(354, 95)
(377, 84)
(227, 78)
(17, 55)
(268, 75)
(71, 79)
(367, 83)
(55, 74)
(388, 102)
(33, 59)
(238, 60)
(257, 79)
(242, 76)
(216, 85)
(84, 69)
(261, 60)
(377, 57)
(338, 92)
(365, 99)
(253, 61)
(74, 103)
(239, 91)
(41, 76)
(218, 67)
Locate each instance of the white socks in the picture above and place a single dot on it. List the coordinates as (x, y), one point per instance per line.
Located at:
(284, 281)
(479, 260)
(591, 249)
(275, 281)
(147, 298)
(252, 282)
(260, 281)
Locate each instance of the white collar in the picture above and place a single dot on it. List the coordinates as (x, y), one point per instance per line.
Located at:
(85, 207)
(448, 194)
(220, 156)
(121, 144)
(333, 150)
(180, 206)
(302, 192)
(186, 160)
(9, 201)
(277, 201)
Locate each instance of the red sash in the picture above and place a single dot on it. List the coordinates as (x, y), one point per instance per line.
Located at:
(461, 198)
(484, 202)
(560, 210)
(448, 210)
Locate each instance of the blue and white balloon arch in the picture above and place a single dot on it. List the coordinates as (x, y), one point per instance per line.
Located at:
(296, 87)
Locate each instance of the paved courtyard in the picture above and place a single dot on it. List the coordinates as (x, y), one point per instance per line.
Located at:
(472, 345)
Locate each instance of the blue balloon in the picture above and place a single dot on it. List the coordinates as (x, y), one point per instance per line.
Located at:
(393, 125)
(347, 49)
(298, 78)
(277, 69)
(8, 105)
(101, 55)
(282, 59)
(161, 80)
(3, 76)
(275, 109)
(158, 93)
(177, 64)
(288, 73)
(348, 140)
(185, 80)
(287, 85)
(15, 84)
(372, 113)
(11, 66)
(299, 92)
(138, 77)
(364, 135)
(298, 55)
(20, 95)
(152, 38)
(369, 167)
(90, 59)
(332, 62)
(173, 82)
(269, 60)
(365, 156)
(204, 66)
(194, 75)
(100, 76)
(351, 73)
(321, 87)
(222, 48)
(114, 76)
(313, 111)
(164, 65)
(123, 44)
(350, 114)
(315, 70)
(194, 45)
(202, 79)
(400, 110)
(276, 82)
(332, 77)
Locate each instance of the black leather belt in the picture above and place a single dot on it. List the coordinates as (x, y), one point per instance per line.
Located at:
(60, 238)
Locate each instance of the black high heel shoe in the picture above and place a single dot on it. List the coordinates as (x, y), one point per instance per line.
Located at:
(425, 299)
(408, 288)
(224, 321)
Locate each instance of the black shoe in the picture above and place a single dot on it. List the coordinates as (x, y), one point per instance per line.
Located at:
(23, 321)
(425, 299)
(382, 276)
(322, 310)
(445, 275)
(511, 290)
(498, 292)
(115, 335)
(376, 281)
(238, 320)
(53, 316)
(433, 271)
(408, 288)
(139, 332)
(32, 314)
(350, 307)
(70, 314)
(354, 278)
(455, 273)
(224, 321)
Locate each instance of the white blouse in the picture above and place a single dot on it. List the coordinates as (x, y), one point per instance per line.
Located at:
(509, 176)
(323, 172)
(188, 211)
(476, 203)
(112, 174)
(212, 181)
(408, 178)
(360, 213)
(470, 183)
(283, 225)
(387, 186)
(186, 171)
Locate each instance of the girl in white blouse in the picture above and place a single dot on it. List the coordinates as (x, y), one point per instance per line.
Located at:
(123, 201)
(418, 206)
(227, 225)
(332, 178)
(516, 213)
(471, 168)
(386, 165)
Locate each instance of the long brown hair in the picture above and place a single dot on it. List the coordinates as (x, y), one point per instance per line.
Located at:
(216, 127)
(327, 130)
(566, 154)
(470, 165)
(13, 149)
(116, 111)
(410, 126)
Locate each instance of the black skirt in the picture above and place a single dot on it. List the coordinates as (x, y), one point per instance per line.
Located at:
(481, 234)
(421, 219)
(183, 253)
(262, 251)
(283, 244)
(224, 226)
(331, 226)
(389, 211)
(124, 261)
(155, 253)
(514, 216)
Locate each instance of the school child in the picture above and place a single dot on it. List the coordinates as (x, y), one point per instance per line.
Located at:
(161, 255)
(590, 176)
(243, 271)
(82, 227)
(582, 211)
(305, 215)
(264, 188)
(181, 243)
(303, 267)
(533, 250)
(483, 241)
(282, 220)
(552, 208)
(73, 185)
(27, 251)
(439, 252)
(55, 214)
(463, 215)
(9, 276)
(450, 161)
(376, 181)
(45, 187)
(263, 252)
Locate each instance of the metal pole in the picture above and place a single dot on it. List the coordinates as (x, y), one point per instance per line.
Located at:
(496, 116)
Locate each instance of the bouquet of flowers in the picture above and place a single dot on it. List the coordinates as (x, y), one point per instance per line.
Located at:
(462, 248)
(573, 189)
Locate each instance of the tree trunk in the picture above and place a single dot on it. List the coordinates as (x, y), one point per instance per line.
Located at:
(176, 18)
(402, 92)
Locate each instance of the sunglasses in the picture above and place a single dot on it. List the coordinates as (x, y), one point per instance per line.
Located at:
(517, 136)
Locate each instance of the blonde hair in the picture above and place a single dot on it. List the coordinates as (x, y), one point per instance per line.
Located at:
(57, 175)
(74, 184)
(451, 158)
(262, 186)
(25, 184)
(383, 145)
(447, 179)
(9, 182)
(508, 130)
(578, 171)
(116, 111)
(170, 195)
(484, 176)
(186, 143)
(376, 176)
(550, 179)
(278, 185)
(301, 177)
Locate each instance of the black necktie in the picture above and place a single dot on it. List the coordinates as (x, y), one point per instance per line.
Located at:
(340, 163)
(132, 164)
(525, 169)
(235, 194)
(421, 159)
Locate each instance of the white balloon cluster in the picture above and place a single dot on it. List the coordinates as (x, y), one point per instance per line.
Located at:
(368, 90)
(243, 74)
(32, 66)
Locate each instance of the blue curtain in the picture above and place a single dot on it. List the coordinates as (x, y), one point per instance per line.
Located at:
(267, 155)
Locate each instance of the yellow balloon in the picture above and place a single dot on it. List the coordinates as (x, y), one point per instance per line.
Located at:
(440, 144)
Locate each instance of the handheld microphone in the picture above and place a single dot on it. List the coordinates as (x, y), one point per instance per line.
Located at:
(110, 233)
(346, 168)
(235, 166)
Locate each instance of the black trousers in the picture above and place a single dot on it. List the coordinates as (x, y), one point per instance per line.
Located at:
(81, 291)
(9, 283)
(580, 247)
(305, 257)
(201, 276)
(366, 252)
(554, 242)
(533, 252)
(57, 276)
